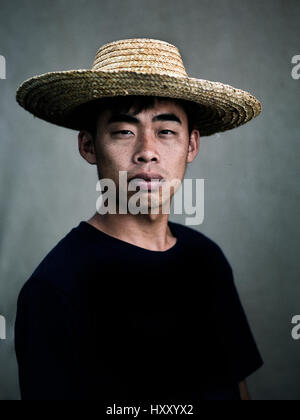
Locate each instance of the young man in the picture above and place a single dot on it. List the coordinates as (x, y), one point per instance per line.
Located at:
(129, 307)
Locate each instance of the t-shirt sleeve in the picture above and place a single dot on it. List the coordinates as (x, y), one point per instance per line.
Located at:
(234, 336)
(44, 344)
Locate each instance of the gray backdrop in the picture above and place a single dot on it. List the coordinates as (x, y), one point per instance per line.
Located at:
(252, 187)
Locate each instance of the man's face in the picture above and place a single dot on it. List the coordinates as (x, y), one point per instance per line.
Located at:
(154, 143)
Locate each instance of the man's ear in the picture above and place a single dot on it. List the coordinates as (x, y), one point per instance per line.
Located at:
(86, 147)
(194, 144)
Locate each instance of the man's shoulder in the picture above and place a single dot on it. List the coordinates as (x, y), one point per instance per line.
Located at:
(200, 245)
(194, 237)
(63, 267)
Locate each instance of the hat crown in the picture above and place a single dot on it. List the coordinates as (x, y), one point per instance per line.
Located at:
(147, 56)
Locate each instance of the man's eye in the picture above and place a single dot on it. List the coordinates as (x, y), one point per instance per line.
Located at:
(122, 132)
(167, 132)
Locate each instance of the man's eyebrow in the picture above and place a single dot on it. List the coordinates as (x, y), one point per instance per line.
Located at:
(167, 117)
(117, 118)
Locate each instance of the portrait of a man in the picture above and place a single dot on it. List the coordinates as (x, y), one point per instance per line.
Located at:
(144, 309)
(149, 217)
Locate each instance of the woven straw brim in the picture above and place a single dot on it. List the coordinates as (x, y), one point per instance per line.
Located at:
(55, 96)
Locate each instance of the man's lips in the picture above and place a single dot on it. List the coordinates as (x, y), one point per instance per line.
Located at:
(147, 177)
(146, 181)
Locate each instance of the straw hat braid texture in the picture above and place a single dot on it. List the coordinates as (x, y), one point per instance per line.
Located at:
(141, 67)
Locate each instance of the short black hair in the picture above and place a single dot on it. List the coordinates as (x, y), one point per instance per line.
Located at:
(88, 113)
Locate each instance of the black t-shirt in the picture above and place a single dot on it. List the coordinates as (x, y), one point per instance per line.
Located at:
(102, 319)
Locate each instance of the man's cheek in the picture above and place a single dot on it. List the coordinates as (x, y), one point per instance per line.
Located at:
(108, 162)
(180, 163)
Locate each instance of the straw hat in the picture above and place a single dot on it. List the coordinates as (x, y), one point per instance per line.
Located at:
(139, 67)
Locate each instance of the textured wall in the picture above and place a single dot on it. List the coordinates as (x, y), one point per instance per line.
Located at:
(252, 184)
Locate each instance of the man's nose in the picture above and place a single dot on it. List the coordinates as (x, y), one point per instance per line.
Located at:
(146, 149)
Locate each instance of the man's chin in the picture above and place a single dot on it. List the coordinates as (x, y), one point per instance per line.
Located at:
(148, 202)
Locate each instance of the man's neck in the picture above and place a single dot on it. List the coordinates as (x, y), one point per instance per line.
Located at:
(145, 231)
